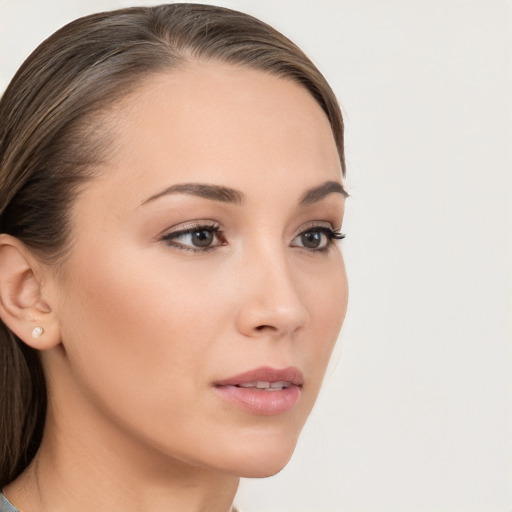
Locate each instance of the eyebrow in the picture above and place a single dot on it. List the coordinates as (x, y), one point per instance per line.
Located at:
(230, 195)
(214, 192)
(315, 194)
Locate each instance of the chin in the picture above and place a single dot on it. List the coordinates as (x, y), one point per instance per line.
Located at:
(261, 469)
(262, 460)
(264, 471)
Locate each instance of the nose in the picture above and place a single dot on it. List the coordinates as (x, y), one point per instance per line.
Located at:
(271, 301)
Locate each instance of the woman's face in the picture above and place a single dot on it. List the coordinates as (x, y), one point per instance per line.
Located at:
(203, 269)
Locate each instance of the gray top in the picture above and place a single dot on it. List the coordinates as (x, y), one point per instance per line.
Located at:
(6, 505)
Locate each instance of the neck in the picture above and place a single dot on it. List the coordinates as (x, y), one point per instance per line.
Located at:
(88, 468)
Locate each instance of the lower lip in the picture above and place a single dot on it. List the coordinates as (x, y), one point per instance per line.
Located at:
(266, 403)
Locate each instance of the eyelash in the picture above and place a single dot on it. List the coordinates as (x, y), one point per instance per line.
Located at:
(333, 235)
(189, 230)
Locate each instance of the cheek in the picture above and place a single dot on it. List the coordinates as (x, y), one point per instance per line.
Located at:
(327, 304)
(143, 335)
(134, 329)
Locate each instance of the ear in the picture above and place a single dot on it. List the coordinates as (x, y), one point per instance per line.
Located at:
(22, 305)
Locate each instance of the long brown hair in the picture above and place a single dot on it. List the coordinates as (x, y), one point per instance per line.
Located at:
(53, 134)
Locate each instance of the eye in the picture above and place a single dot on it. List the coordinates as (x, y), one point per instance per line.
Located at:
(317, 238)
(196, 238)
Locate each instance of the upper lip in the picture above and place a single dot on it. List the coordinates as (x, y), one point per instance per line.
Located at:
(265, 374)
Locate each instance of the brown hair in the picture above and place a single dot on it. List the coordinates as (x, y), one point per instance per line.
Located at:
(51, 136)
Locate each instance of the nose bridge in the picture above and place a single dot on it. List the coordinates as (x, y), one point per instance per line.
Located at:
(271, 300)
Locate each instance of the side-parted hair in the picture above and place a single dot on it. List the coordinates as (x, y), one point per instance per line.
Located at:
(54, 133)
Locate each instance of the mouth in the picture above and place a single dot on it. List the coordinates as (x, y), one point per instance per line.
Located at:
(263, 391)
(266, 385)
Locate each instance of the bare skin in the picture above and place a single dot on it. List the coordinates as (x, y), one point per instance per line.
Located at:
(145, 318)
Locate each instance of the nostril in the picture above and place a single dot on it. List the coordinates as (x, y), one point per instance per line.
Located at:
(262, 327)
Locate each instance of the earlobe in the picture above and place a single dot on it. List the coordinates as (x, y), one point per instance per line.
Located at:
(22, 306)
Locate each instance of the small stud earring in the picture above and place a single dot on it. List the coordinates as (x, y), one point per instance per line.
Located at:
(37, 331)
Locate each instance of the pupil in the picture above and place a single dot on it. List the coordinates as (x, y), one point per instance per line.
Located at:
(311, 239)
(202, 238)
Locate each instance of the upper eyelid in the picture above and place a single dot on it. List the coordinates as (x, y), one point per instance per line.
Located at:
(188, 226)
(169, 237)
(212, 224)
(314, 224)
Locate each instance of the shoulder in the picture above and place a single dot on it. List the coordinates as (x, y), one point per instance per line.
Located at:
(6, 505)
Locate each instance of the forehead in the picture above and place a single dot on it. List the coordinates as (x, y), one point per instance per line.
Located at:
(222, 124)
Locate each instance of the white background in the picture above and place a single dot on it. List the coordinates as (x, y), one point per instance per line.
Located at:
(415, 415)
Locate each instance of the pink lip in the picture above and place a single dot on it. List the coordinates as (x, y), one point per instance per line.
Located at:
(265, 373)
(259, 401)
